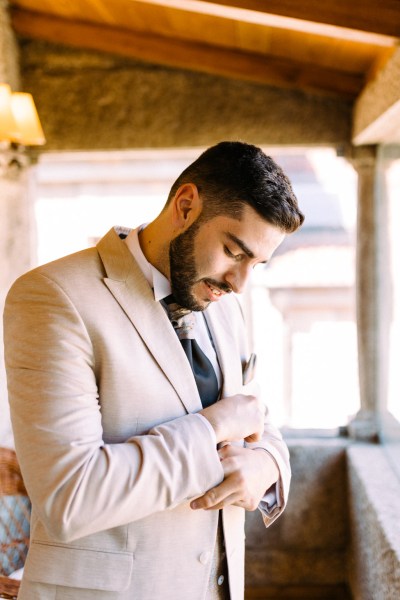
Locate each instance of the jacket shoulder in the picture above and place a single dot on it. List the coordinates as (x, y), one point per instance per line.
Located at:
(81, 265)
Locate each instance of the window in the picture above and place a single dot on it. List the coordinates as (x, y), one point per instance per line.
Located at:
(304, 302)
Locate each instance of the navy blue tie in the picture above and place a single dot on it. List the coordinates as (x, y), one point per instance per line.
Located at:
(183, 321)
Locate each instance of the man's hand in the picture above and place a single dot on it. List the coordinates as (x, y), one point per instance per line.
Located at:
(236, 418)
(248, 475)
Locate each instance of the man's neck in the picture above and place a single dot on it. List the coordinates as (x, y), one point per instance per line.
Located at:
(155, 247)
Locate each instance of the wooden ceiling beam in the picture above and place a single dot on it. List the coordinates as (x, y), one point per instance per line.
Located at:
(376, 118)
(380, 17)
(173, 52)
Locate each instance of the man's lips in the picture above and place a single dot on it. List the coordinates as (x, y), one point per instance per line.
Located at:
(216, 291)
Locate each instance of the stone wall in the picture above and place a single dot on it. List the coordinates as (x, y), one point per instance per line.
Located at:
(307, 546)
(9, 65)
(340, 530)
(89, 100)
(375, 528)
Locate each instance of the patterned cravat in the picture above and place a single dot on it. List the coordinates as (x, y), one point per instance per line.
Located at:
(183, 321)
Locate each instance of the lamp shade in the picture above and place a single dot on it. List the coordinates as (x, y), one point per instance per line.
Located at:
(30, 132)
(8, 125)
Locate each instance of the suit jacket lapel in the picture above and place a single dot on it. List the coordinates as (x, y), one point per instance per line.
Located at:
(131, 290)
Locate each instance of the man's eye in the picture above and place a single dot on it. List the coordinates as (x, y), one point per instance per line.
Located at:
(236, 257)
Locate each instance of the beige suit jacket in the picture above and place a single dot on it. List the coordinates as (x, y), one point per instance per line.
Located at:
(102, 400)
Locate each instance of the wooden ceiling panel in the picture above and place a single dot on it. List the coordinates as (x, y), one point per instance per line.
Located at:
(192, 56)
(347, 56)
(376, 16)
(255, 39)
(227, 10)
(274, 47)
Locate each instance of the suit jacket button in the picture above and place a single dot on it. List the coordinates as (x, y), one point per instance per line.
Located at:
(204, 557)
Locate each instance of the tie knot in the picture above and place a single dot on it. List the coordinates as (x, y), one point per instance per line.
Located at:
(182, 319)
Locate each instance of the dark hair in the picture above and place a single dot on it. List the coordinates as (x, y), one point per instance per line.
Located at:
(232, 174)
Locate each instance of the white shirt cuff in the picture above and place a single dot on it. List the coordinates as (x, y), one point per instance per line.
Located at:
(271, 500)
(208, 424)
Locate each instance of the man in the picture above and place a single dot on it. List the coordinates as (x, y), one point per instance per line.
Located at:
(127, 457)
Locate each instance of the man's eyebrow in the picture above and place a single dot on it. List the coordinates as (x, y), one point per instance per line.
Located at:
(241, 244)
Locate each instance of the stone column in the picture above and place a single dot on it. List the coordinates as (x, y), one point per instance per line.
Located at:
(372, 293)
(16, 219)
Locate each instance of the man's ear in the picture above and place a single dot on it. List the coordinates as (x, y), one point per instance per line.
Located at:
(187, 206)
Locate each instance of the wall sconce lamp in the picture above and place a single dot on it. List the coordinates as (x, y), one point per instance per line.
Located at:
(19, 127)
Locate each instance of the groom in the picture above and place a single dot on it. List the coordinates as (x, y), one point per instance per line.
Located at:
(140, 438)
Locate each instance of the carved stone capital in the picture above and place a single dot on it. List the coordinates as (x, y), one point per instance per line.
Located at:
(362, 157)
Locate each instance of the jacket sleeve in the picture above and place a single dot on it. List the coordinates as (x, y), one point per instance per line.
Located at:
(77, 483)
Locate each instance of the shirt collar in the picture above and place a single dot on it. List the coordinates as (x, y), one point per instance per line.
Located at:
(156, 280)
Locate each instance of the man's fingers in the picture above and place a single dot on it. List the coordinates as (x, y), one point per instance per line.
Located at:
(254, 437)
(215, 503)
(245, 478)
(230, 491)
(217, 497)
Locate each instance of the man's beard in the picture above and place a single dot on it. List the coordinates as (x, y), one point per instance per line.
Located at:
(183, 270)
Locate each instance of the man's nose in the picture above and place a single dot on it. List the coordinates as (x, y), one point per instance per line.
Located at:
(237, 278)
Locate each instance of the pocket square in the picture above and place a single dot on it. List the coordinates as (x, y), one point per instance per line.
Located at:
(249, 369)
